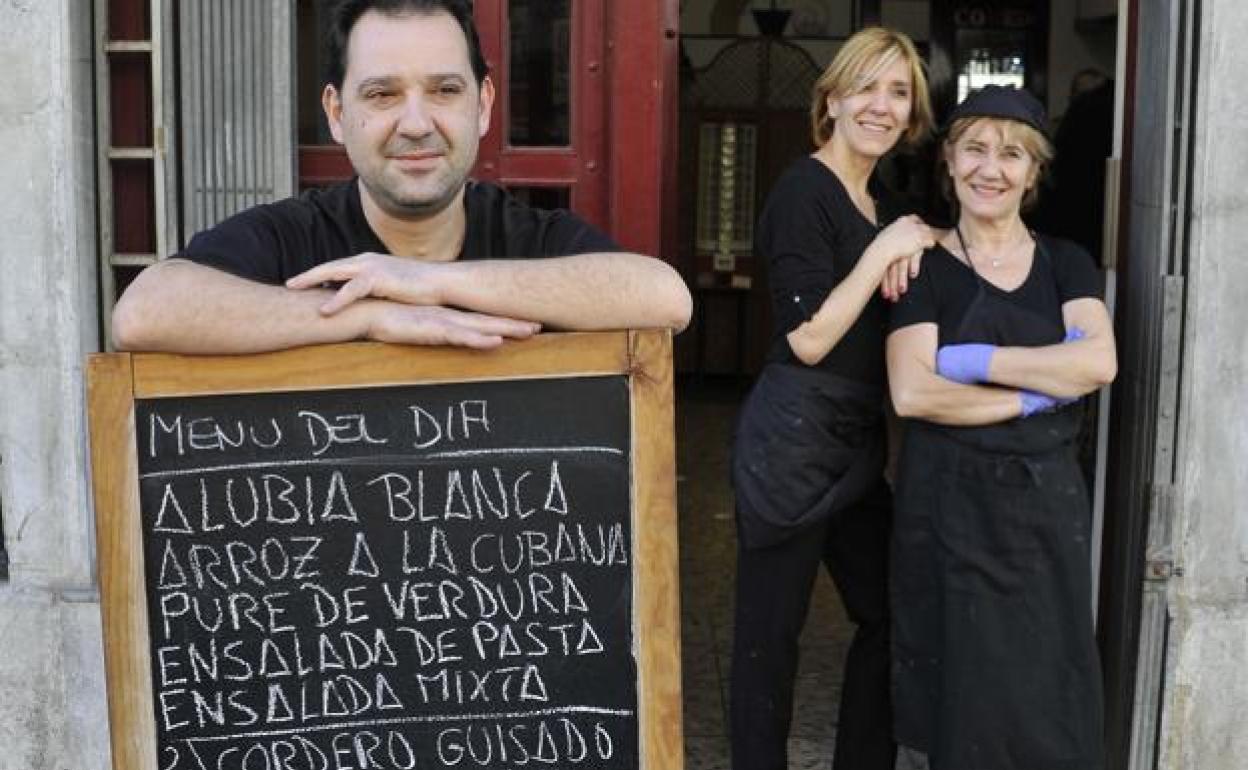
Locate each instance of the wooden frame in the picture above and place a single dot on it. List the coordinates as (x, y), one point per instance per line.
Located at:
(116, 380)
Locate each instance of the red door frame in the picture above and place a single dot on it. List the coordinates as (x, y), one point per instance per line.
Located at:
(579, 166)
(644, 118)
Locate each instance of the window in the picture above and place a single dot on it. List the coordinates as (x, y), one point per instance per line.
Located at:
(540, 42)
(726, 163)
(195, 122)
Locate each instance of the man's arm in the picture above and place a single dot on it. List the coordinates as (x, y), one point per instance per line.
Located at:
(582, 292)
(179, 306)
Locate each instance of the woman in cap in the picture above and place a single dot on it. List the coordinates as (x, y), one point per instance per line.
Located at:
(995, 666)
(809, 452)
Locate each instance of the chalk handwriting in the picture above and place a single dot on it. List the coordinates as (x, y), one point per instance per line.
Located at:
(351, 588)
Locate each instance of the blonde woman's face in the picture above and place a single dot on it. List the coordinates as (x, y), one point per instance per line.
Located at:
(991, 171)
(871, 120)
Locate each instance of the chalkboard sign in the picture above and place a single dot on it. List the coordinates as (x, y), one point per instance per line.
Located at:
(431, 559)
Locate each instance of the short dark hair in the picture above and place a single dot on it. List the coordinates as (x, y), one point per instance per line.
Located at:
(347, 12)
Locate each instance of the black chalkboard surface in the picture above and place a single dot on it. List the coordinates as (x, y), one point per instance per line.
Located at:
(426, 575)
(435, 575)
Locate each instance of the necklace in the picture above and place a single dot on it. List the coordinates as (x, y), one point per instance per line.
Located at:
(995, 261)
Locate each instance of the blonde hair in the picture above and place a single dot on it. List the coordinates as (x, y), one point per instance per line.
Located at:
(859, 62)
(1032, 141)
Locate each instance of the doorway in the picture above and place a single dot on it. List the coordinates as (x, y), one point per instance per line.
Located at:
(743, 119)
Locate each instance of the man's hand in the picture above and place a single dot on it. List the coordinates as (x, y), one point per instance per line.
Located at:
(579, 292)
(408, 281)
(417, 325)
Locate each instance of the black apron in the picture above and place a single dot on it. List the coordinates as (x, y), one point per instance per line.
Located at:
(995, 664)
(808, 444)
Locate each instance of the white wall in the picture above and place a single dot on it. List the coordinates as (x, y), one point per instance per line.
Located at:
(52, 712)
(1207, 695)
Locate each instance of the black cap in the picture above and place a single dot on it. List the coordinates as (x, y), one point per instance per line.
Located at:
(1008, 102)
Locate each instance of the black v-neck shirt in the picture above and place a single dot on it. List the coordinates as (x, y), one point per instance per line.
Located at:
(276, 241)
(946, 286)
(811, 235)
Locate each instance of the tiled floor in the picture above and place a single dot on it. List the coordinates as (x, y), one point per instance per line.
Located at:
(704, 419)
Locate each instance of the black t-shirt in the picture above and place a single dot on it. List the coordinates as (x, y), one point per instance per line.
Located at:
(276, 241)
(811, 235)
(946, 286)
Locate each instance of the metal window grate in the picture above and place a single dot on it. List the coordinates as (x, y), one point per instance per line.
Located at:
(236, 107)
(755, 74)
(195, 121)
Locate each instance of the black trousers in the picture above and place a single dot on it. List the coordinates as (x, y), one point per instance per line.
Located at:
(774, 585)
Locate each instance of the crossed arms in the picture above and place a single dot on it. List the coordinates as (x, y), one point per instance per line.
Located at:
(1063, 371)
(180, 306)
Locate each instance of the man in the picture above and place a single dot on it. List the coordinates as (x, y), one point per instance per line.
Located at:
(411, 251)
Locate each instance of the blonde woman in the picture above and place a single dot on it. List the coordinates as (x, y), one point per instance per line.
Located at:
(809, 452)
(995, 663)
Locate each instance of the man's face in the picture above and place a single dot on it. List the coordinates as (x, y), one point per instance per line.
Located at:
(410, 113)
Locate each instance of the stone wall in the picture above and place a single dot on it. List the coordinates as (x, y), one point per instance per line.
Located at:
(1203, 724)
(52, 712)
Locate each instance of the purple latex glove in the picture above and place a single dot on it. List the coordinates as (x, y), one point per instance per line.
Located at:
(1034, 403)
(1039, 402)
(966, 363)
